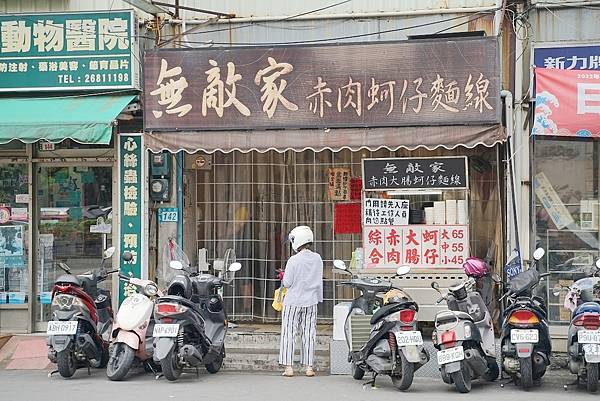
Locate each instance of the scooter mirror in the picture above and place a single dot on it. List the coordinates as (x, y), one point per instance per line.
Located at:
(339, 264)
(175, 264)
(539, 253)
(235, 267)
(127, 256)
(598, 263)
(435, 286)
(402, 270)
(109, 252)
(557, 290)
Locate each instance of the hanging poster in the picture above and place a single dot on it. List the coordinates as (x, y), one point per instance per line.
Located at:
(420, 246)
(11, 240)
(339, 184)
(346, 219)
(566, 102)
(355, 188)
(550, 200)
(385, 212)
(131, 197)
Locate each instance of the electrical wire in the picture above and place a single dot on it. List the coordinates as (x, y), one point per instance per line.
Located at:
(355, 36)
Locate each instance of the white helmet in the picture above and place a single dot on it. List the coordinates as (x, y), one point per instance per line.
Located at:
(299, 236)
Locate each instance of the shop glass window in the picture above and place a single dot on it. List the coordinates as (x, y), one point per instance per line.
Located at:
(566, 213)
(14, 230)
(71, 200)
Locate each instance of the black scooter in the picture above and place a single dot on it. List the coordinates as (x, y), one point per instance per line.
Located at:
(385, 341)
(525, 339)
(191, 322)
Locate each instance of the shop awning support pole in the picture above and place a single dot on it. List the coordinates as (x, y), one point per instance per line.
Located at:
(508, 112)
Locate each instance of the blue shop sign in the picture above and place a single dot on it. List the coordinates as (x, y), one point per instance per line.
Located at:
(568, 58)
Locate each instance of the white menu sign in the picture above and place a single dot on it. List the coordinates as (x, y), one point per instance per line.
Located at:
(385, 212)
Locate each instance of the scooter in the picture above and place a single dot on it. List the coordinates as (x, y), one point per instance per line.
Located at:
(191, 322)
(526, 345)
(464, 337)
(82, 316)
(392, 345)
(584, 331)
(132, 330)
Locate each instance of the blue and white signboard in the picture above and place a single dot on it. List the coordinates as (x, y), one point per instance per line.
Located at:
(168, 215)
(568, 58)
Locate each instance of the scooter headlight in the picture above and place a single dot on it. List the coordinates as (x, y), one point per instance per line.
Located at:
(65, 301)
(151, 290)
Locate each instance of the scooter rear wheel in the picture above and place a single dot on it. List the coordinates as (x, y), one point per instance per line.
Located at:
(404, 381)
(120, 361)
(526, 373)
(170, 366)
(592, 377)
(462, 378)
(67, 365)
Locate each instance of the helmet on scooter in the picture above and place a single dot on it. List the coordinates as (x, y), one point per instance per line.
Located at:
(394, 296)
(299, 236)
(475, 267)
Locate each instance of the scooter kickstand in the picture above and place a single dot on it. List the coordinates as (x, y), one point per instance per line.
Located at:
(197, 373)
(158, 376)
(573, 384)
(53, 372)
(371, 382)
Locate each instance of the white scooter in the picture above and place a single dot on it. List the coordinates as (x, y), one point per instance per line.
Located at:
(132, 329)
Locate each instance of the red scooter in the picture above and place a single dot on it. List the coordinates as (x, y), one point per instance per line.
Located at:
(82, 316)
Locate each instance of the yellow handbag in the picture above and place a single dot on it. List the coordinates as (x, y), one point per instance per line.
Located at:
(278, 298)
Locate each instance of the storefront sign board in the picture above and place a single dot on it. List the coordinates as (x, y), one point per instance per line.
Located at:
(420, 246)
(566, 103)
(568, 58)
(409, 173)
(339, 183)
(385, 212)
(131, 193)
(407, 83)
(74, 51)
(550, 200)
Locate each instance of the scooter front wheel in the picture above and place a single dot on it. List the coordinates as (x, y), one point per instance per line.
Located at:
(357, 373)
(592, 377)
(462, 378)
(67, 365)
(404, 381)
(216, 364)
(121, 359)
(170, 365)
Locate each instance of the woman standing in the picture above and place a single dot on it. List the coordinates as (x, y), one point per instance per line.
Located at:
(303, 279)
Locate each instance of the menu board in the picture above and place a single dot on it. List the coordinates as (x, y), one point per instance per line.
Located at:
(420, 246)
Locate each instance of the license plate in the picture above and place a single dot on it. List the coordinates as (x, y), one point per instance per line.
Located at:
(450, 355)
(165, 330)
(405, 338)
(524, 336)
(58, 328)
(588, 337)
(591, 353)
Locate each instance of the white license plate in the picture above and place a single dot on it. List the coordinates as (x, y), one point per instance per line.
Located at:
(450, 355)
(591, 353)
(57, 328)
(165, 330)
(524, 336)
(588, 337)
(406, 338)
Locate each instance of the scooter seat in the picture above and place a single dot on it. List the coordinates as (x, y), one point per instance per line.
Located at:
(391, 308)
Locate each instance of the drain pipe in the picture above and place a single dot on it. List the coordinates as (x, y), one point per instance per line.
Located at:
(508, 113)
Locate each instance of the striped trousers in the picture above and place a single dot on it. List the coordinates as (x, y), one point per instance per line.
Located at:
(303, 320)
